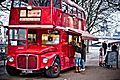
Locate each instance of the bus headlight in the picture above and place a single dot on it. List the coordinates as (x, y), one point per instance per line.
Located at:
(45, 60)
(10, 59)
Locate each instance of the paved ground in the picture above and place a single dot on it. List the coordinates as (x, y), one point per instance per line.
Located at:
(93, 71)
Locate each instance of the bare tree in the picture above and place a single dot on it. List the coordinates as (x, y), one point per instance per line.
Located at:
(2, 1)
(97, 12)
(2, 6)
(114, 4)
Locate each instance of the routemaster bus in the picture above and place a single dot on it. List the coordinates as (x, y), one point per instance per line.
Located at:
(40, 34)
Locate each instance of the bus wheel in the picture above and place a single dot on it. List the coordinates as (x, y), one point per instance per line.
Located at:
(54, 71)
(12, 71)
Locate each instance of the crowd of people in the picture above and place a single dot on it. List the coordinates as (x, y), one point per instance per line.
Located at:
(108, 54)
(79, 56)
(80, 49)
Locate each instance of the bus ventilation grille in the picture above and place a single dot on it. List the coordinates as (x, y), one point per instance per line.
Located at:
(27, 61)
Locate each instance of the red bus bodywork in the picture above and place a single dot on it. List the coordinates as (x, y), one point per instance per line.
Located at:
(41, 23)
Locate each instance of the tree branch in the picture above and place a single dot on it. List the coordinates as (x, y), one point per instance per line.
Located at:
(5, 7)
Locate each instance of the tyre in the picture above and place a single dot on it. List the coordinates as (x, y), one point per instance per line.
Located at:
(12, 71)
(54, 70)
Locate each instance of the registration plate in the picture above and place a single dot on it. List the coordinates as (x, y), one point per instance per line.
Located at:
(27, 71)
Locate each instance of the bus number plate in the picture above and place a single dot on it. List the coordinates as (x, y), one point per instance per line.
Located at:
(27, 71)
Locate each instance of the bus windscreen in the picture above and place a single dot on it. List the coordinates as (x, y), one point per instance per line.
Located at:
(21, 3)
(25, 3)
(41, 2)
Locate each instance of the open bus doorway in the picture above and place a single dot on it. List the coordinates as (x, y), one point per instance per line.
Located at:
(32, 36)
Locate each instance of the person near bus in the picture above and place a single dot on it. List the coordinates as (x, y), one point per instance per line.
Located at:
(104, 46)
(77, 57)
(73, 42)
(115, 48)
(83, 56)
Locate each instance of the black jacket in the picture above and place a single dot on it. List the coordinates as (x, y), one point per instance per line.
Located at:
(78, 49)
(104, 45)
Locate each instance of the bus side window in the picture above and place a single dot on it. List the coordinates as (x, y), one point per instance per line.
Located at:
(56, 3)
(64, 7)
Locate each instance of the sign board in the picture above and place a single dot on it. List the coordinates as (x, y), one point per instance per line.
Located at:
(112, 58)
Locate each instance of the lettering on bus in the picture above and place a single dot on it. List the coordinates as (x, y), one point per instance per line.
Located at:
(32, 15)
(29, 19)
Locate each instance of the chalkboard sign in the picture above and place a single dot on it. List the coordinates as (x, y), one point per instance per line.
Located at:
(112, 58)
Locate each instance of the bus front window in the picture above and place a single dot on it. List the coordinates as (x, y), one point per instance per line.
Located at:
(17, 37)
(21, 3)
(41, 2)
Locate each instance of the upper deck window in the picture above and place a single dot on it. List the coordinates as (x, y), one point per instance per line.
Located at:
(41, 2)
(70, 9)
(56, 3)
(25, 3)
(21, 3)
(75, 11)
(81, 15)
(64, 7)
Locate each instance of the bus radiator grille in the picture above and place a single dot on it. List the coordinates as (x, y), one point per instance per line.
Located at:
(27, 61)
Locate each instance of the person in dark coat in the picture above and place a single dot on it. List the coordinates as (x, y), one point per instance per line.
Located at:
(83, 56)
(109, 45)
(104, 46)
(114, 47)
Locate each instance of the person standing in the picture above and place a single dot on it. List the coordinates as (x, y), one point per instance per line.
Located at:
(109, 45)
(114, 48)
(77, 57)
(101, 61)
(104, 46)
(83, 56)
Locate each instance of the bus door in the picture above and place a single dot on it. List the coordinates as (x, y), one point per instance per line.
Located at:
(64, 57)
(71, 49)
(32, 36)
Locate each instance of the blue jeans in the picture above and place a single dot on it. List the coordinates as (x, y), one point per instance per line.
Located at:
(82, 64)
(77, 61)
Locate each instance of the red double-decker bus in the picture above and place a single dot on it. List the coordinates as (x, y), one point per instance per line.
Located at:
(40, 34)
